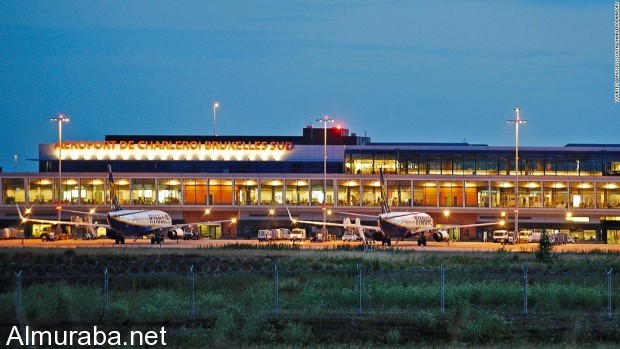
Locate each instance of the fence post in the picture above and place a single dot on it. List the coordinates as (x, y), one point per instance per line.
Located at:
(609, 293)
(359, 290)
(442, 279)
(275, 288)
(524, 290)
(105, 291)
(191, 291)
(18, 295)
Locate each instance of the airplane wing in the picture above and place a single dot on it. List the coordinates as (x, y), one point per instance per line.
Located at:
(57, 222)
(455, 226)
(87, 213)
(369, 227)
(368, 215)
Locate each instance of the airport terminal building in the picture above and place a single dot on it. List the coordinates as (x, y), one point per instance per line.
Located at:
(573, 189)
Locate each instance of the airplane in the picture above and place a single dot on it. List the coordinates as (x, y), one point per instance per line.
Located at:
(399, 225)
(123, 223)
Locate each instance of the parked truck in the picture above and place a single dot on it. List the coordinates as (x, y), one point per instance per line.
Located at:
(274, 234)
(298, 234)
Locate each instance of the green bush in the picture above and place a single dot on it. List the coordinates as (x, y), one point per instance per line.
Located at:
(296, 334)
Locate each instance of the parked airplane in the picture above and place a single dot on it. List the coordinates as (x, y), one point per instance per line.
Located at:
(125, 223)
(399, 225)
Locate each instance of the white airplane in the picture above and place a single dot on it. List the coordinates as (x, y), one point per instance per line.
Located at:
(398, 225)
(124, 223)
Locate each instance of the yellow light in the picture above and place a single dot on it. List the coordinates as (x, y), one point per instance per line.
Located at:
(207, 210)
(503, 213)
(92, 211)
(502, 222)
(329, 212)
(233, 220)
(28, 210)
(272, 211)
(446, 213)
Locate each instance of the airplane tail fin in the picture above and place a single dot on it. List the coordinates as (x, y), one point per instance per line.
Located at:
(114, 204)
(384, 205)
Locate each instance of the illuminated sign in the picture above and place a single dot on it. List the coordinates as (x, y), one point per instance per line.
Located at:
(173, 150)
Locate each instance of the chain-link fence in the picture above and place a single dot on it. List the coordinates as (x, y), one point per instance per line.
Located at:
(204, 288)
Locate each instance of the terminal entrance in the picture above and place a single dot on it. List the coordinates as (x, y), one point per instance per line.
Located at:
(610, 227)
(211, 231)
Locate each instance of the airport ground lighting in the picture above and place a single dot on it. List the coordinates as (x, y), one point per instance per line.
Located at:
(325, 120)
(215, 106)
(517, 121)
(60, 119)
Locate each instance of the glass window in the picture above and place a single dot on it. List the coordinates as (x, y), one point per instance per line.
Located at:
(451, 193)
(530, 194)
(195, 191)
(371, 193)
(317, 191)
(143, 191)
(246, 191)
(71, 191)
(469, 165)
(476, 194)
(122, 191)
(425, 193)
(361, 163)
(94, 191)
(556, 194)
(271, 191)
(399, 193)
(220, 192)
(13, 191)
(169, 191)
(40, 191)
(608, 194)
(582, 195)
(502, 194)
(348, 192)
(297, 192)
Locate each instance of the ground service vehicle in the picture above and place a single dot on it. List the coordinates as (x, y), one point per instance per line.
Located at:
(500, 235)
(535, 237)
(525, 236)
(298, 234)
(350, 236)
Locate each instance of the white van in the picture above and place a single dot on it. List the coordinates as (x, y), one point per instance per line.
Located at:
(500, 235)
(298, 234)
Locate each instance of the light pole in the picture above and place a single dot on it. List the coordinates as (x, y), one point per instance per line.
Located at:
(215, 106)
(15, 160)
(517, 121)
(60, 119)
(325, 120)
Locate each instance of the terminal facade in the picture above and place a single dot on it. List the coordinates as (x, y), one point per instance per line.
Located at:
(573, 189)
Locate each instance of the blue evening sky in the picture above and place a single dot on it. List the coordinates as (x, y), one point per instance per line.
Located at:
(399, 71)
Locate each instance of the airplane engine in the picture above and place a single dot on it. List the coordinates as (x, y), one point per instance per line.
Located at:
(176, 233)
(441, 235)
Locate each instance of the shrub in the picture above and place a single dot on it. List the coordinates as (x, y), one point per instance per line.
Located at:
(296, 334)
(543, 253)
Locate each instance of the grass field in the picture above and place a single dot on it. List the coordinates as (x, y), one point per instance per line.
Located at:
(243, 296)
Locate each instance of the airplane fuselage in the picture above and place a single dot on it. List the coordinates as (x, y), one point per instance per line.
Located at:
(136, 222)
(401, 224)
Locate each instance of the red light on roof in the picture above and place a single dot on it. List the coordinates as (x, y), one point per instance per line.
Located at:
(338, 127)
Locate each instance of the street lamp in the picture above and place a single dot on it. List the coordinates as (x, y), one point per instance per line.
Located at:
(60, 119)
(215, 106)
(15, 160)
(517, 121)
(325, 120)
